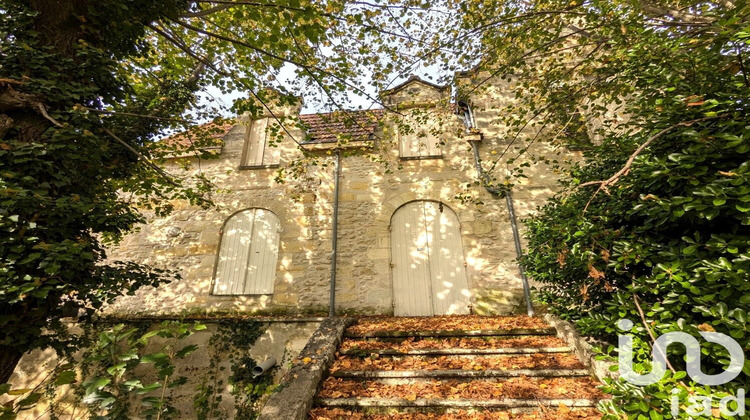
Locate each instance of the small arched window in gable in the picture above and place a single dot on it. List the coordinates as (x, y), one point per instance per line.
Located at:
(248, 254)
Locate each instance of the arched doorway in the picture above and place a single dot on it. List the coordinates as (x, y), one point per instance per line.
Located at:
(427, 260)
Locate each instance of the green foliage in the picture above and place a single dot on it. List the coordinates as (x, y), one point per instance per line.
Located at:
(249, 389)
(86, 92)
(122, 365)
(669, 230)
(116, 355)
(61, 175)
(230, 344)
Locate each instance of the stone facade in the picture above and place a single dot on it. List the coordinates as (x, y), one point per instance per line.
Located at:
(374, 183)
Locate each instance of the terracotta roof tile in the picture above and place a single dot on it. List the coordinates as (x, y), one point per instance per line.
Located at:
(202, 136)
(350, 125)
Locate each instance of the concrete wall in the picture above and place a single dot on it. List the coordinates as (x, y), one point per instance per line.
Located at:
(371, 191)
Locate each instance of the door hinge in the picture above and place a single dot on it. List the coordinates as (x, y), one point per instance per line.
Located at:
(393, 304)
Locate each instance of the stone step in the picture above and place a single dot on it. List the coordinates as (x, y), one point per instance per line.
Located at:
(458, 362)
(444, 413)
(458, 373)
(469, 367)
(478, 342)
(451, 333)
(505, 403)
(455, 351)
(484, 388)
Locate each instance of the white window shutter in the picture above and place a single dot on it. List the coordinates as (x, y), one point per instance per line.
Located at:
(264, 253)
(248, 254)
(272, 154)
(256, 143)
(409, 142)
(233, 253)
(432, 141)
(420, 142)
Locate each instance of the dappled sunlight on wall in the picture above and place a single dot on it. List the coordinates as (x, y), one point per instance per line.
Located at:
(188, 240)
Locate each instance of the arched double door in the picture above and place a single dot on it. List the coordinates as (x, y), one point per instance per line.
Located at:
(427, 259)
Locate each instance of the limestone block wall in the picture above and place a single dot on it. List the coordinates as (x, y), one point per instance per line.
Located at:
(188, 241)
(490, 96)
(371, 190)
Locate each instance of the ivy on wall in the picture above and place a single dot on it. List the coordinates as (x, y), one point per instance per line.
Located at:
(141, 368)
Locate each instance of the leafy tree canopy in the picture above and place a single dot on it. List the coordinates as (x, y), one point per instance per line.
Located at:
(652, 223)
(85, 89)
(652, 218)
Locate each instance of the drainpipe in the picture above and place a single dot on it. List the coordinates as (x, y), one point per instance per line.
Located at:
(334, 239)
(512, 213)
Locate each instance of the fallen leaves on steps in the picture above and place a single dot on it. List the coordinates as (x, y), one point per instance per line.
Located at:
(500, 362)
(447, 323)
(521, 387)
(455, 343)
(562, 413)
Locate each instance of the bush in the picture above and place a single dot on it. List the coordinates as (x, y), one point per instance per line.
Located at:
(670, 236)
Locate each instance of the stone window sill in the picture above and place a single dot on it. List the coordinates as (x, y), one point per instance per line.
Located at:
(272, 166)
(421, 157)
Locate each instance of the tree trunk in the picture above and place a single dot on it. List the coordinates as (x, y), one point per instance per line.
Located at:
(9, 357)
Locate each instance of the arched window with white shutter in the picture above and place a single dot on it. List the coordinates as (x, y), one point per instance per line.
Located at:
(248, 254)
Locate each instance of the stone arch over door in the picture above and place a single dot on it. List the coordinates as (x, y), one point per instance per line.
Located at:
(427, 261)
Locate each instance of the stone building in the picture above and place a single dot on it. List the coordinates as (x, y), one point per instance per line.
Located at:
(414, 233)
(410, 238)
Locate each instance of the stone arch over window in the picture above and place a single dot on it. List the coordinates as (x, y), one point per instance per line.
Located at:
(248, 253)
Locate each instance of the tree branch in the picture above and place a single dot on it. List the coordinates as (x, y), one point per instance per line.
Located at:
(277, 57)
(629, 163)
(605, 184)
(145, 159)
(650, 333)
(131, 114)
(206, 11)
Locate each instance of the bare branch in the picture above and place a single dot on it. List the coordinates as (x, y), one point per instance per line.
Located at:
(143, 158)
(43, 111)
(605, 184)
(651, 334)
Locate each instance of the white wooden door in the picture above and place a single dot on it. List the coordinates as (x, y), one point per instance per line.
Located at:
(248, 254)
(429, 277)
(411, 264)
(450, 288)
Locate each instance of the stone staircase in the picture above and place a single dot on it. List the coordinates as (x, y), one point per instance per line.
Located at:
(455, 367)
